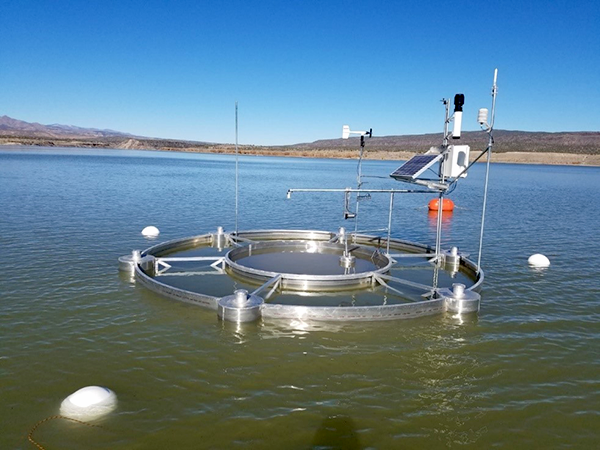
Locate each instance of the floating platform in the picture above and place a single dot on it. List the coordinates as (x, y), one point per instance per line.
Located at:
(308, 275)
(331, 276)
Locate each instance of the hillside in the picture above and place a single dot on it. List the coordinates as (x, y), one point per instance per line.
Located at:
(17, 132)
(20, 128)
(505, 141)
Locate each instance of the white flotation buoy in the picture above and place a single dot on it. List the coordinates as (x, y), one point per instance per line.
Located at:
(88, 403)
(538, 260)
(150, 231)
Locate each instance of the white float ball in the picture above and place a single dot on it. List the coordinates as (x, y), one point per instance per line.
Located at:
(538, 260)
(88, 403)
(150, 231)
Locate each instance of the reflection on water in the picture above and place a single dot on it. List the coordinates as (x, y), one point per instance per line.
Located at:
(305, 263)
(337, 432)
(432, 217)
(538, 270)
(238, 333)
(127, 277)
(297, 328)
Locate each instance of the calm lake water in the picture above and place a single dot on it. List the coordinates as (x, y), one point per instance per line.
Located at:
(524, 373)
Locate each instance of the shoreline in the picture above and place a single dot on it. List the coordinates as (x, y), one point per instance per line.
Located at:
(542, 158)
(551, 159)
(563, 159)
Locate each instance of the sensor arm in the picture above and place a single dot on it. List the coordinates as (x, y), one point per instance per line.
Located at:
(346, 132)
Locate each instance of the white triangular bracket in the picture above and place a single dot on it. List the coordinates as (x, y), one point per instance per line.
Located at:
(221, 262)
(164, 265)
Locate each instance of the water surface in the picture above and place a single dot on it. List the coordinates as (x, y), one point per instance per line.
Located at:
(522, 374)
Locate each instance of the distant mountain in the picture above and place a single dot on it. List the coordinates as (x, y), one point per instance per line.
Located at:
(20, 128)
(13, 131)
(582, 142)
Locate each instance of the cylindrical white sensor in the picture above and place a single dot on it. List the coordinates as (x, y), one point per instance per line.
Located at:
(457, 124)
(482, 117)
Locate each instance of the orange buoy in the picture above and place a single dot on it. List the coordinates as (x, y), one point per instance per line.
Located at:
(447, 204)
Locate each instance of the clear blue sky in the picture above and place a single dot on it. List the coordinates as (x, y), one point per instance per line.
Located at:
(299, 69)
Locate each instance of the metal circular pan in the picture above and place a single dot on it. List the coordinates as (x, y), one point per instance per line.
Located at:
(307, 265)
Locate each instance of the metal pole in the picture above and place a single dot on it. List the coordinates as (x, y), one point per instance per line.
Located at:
(387, 250)
(359, 179)
(236, 168)
(438, 236)
(438, 231)
(360, 156)
(485, 188)
(487, 167)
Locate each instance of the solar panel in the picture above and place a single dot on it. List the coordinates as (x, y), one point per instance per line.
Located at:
(415, 166)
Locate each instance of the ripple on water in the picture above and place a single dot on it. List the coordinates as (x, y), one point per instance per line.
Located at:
(522, 374)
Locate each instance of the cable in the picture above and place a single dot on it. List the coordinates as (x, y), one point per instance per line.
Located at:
(47, 419)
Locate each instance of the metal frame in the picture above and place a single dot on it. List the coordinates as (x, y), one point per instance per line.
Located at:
(272, 282)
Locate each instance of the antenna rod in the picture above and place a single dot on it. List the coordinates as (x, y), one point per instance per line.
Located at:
(438, 231)
(236, 168)
(487, 166)
(359, 180)
(346, 132)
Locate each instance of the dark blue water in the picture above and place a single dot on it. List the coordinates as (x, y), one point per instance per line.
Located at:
(523, 374)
